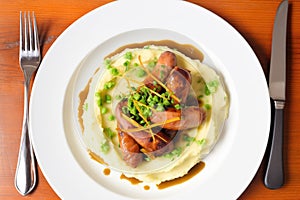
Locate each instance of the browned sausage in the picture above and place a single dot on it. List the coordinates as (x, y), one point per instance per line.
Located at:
(192, 100)
(124, 124)
(190, 117)
(143, 138)
(130, 150)
(166, 62)
(179, 82)
(157, 146)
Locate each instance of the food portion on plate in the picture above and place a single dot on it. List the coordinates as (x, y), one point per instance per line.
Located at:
(152, 112)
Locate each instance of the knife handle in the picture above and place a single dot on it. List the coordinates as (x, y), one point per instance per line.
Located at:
(274, 176)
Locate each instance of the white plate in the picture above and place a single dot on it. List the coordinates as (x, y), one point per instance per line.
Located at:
(62, 158)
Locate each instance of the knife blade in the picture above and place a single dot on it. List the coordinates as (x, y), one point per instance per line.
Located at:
(274, 176)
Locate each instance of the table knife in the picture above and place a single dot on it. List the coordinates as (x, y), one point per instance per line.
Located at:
(274, 176)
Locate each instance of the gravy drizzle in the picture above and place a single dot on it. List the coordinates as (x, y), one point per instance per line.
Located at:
(97, 158)
(133, 181)
(195, 170)
(187, 49)
(106, 171)
(82, 96)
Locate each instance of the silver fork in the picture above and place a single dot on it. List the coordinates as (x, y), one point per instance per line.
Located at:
(29, 57)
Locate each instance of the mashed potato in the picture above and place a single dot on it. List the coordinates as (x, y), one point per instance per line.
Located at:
(116, 78)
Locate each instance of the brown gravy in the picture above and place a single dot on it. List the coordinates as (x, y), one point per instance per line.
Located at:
(194, 171)
(82, 96)
(97, 158)
(106, 171)
(187, 49)
(146, 187)
(133, 181)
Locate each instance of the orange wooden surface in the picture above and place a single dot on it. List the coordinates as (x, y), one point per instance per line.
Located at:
(252, 18)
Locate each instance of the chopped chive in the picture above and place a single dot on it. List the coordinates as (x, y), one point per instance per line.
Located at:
(108, 85)
(136, 96)
(201, 142)
(160, 107)
(105, 147)
(133, 111)
(140, 73)
(155, 99)
(125, 110)
(151, 104)
(166, 102)
(114, 71)
(111, 118)
(207, 106)
(118, 97)
(152, 63)
(200, 96)
(107, 63)
(128, 55)
(177, 106)
(133, 88)
(100, 102)
(189, 139)
(162, 74)
(97, 94)
(103, 110)
(147, 113)
(126, 65)
(214, 83)
(175, 153)
(109, 133)
(168, 94)
(147, 159)
(206, 91)
(211, 87)
(107, 98)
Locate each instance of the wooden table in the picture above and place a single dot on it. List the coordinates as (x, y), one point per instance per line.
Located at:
(252, 18)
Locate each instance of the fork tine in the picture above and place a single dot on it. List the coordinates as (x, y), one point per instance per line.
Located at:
(29, 31)
(36, 34)
(25, 33)
(21, 30)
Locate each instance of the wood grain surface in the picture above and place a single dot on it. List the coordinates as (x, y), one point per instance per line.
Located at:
(252, 18)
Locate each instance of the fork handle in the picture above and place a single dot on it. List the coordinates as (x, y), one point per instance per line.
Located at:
(25, 177)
